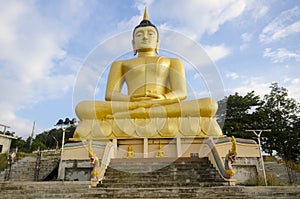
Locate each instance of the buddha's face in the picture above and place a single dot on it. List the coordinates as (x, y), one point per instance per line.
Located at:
(145, 38)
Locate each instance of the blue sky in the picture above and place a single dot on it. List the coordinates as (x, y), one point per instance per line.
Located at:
(56, 53)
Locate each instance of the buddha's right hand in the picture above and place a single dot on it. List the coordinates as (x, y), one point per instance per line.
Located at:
(140, 104)
(149, 103)
(147, 96)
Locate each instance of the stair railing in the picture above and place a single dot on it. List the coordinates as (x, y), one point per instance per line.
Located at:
(10, 160)
(105, 160)
(215, 158)
(37, 167)
(8, 170)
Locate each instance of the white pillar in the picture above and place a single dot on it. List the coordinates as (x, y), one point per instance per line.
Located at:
(115, 144)
(146, 150)
(178, 146)
(61, 168)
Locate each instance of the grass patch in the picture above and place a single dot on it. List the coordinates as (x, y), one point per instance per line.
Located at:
(270, 159)
(21, 155)
(3, 161)
(272, 180)
(293, 165)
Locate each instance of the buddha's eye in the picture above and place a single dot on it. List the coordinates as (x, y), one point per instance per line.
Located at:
(139, 34)
(151, 33)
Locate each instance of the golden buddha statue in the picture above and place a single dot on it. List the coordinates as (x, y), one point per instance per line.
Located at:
(155, 104)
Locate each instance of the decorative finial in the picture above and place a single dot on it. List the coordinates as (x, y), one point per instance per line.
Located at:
(146, 17)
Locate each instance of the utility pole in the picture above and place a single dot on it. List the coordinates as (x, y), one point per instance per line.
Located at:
(257, 133)
(63, 125)
(32, 133)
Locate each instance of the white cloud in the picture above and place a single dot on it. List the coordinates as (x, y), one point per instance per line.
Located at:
(140, 4)
(217, 52)
(258, 9)
(246, 37)
(199, 16)
(293, 87)
(232, 75)
(248, 84)
(32, 47)
(261, 86)
(286, 24)
(260, 12)
(280, 55)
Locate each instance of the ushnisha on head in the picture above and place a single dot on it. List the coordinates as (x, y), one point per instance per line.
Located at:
(145, 36)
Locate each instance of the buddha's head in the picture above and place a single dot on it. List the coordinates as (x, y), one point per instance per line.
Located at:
(145, 36)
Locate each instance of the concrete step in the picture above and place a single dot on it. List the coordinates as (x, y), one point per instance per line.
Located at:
(142, 184)
(42, 190)
(187, 172)
(149, 178)
(173, 176)
(149, 168)
(206, 171)
(24, 169)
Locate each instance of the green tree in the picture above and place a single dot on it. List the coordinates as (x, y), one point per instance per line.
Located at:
(240, 111)
(53, 138)
(8, 133)
(36, 144)
(18, 143)
(281, 114)
(45, 140)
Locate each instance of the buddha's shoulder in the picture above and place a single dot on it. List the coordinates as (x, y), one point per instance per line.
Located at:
(124, 61)
(175, 59)
(139, 59)
(155, 57)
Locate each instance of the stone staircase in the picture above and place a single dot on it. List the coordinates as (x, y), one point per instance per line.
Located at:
(24, 169)
(80, 189)
(147, 178)
(164, 172)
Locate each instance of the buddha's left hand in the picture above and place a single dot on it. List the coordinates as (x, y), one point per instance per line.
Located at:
(148, 96)
(155, 96)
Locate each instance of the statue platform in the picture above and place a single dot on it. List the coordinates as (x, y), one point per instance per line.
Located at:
(76, 164)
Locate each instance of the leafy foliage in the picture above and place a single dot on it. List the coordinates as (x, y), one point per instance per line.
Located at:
(276, 112)
(281, 115)
(240, 111)
(53, 138)
(47, 140)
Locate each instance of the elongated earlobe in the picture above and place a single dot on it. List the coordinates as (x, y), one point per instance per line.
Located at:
(133, 46)
(157, 46)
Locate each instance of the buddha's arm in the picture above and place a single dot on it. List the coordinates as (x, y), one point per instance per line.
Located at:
(177, 80)
(115, 82)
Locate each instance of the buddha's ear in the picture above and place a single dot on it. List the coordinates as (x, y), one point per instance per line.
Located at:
(157, 46)
(133, 46)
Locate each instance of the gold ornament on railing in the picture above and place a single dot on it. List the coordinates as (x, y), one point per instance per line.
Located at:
(231, 158)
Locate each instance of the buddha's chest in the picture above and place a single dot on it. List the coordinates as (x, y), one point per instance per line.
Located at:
(146, 68)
